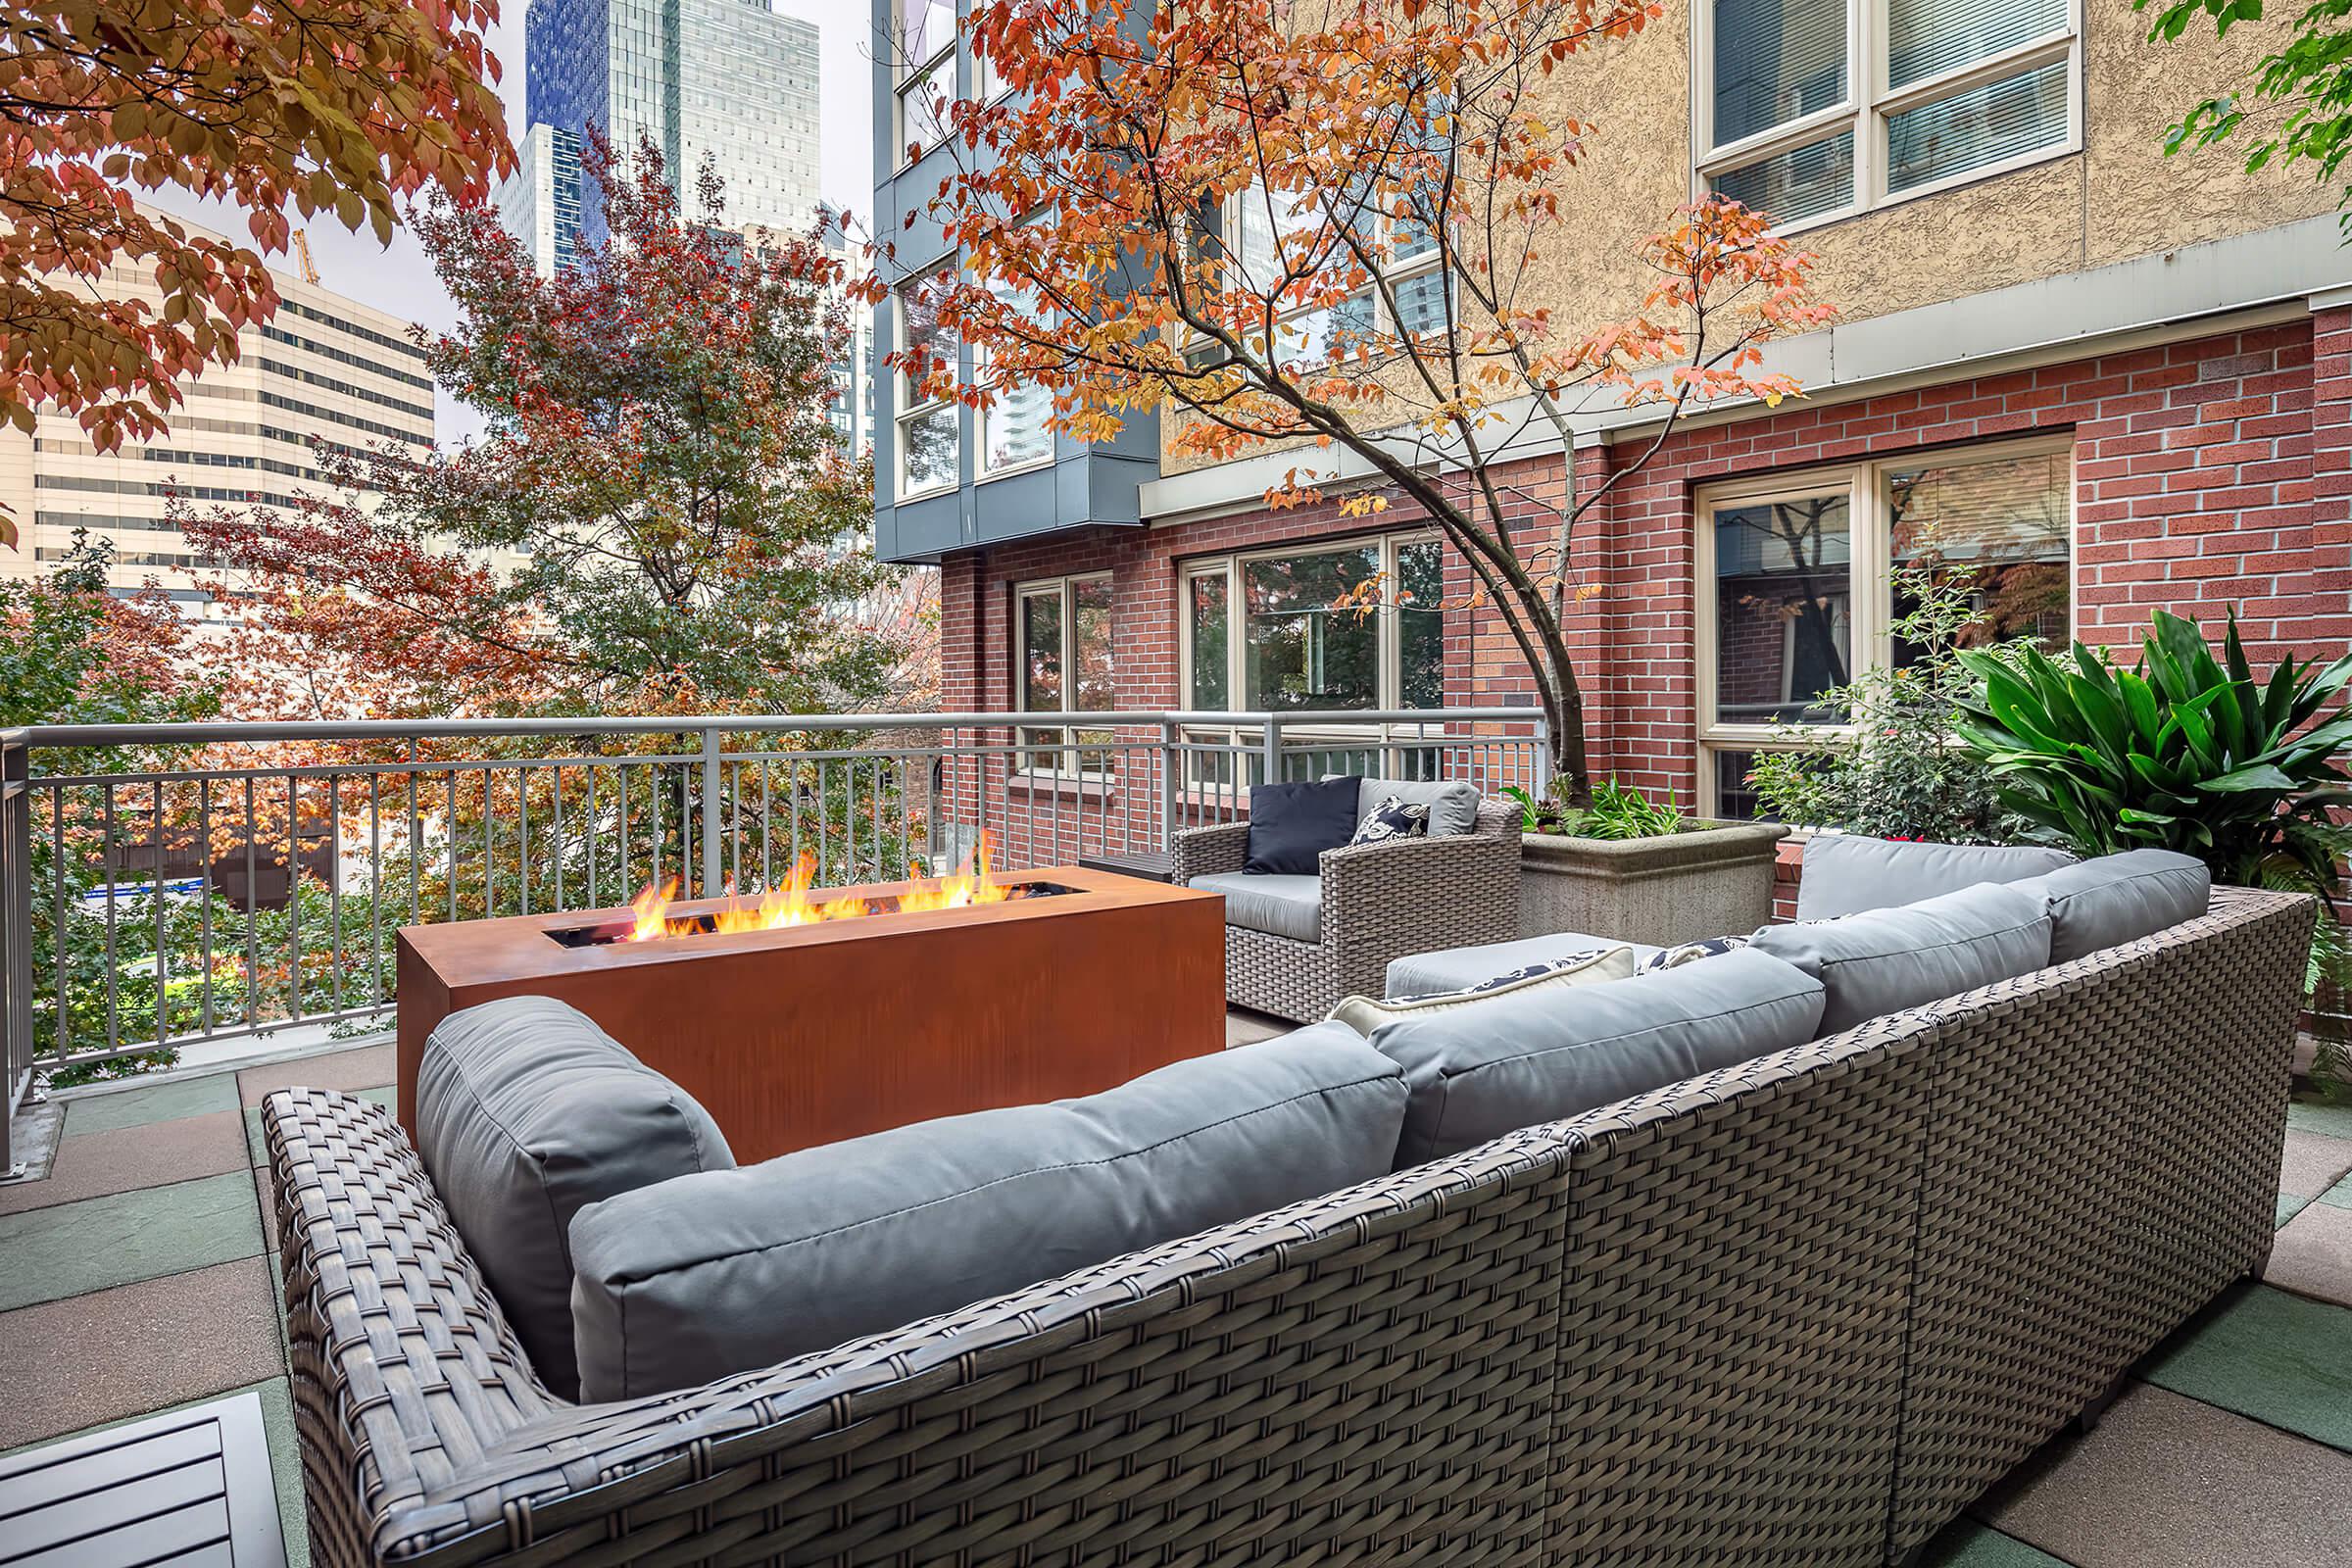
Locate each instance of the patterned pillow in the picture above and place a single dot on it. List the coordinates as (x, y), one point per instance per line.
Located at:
(1365, 1014)
(1692, 953)
(1393, 819)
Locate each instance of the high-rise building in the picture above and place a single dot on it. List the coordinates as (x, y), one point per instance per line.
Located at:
(725, 81)
(540, 202)
(325, 367)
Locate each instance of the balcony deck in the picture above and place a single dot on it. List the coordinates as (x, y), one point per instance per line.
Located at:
(139, 1274)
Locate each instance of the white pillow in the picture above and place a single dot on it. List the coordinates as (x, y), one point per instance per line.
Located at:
(1365, 1014)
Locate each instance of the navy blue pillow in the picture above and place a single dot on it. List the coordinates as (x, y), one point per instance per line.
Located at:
(1291, 825)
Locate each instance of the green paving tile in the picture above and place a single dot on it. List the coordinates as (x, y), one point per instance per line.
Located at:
(2276, 1358)
(2289, 1205)
(73, 1248)
(136, 1108)
(1965, 1543)
(2339, 1196)
(2313, 1117)
(286, 1454)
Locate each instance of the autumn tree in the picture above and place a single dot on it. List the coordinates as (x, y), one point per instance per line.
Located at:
(1324, 226)
(658, 518)
(336, 107)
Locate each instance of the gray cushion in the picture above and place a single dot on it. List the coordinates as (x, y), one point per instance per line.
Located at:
(527, 1112)
(1452, 804)
(2119, 898)
(1846, 873)
(707, 1275)
(1280, 906)
(1423, 975)
(1885, 961)
(1538, 1055)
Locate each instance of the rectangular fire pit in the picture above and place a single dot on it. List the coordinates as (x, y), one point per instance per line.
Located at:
(808, 1034)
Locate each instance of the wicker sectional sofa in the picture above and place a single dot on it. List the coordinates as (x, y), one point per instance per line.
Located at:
(1798, 1311)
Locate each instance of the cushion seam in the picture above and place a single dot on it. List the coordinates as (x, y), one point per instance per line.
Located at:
(1317, 1093)
(1932, 946)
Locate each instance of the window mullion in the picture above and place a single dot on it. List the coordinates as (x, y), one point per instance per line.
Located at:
(1871, 30)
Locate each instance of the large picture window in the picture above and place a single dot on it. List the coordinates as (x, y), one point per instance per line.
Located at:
(929, 441)
(1063, 663)
(1809, 110)
(1795, 580)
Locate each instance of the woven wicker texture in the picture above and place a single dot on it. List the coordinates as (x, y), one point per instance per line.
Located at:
(1798, 1311)
(2103, 1157)
(1381, 902)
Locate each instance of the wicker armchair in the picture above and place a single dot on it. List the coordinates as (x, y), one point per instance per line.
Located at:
(1380, 902)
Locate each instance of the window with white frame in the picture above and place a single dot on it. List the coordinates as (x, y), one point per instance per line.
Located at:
(1269, 233)
(1794, 581)
(1013, 433)
(1809, 110)
(926, 74)
(1063, 663)
(928, 427)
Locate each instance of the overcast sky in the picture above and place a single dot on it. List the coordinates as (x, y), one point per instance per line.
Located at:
(397, 278)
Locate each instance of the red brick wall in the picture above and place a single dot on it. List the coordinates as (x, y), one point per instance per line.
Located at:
(2208, 473)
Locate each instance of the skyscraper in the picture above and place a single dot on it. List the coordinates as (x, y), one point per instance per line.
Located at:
(325, 367)
(728, 81)
(540, 202)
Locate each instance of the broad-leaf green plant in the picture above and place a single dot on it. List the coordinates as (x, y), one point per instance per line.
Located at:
(2182, 752)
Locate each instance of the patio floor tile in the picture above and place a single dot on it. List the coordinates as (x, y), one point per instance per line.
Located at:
(125, 1158)
(1249, 1028)
(1966, 1543)
(2314, 1163)
(2313, 1117)
(2340, 1195)
(2289, 1205)
(2165, 1482)
(69, 1248)
(2312, 1255)
(2276, 1358)
(137, 1107)
(135, 1348)
(348, 1070)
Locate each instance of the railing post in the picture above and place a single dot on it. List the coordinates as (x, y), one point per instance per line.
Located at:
(710, 856)
(1542, 772)
(15, 941)
(1273, 743)
(1171, 763)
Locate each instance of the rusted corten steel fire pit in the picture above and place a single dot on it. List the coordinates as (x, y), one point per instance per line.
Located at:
(805, 1034)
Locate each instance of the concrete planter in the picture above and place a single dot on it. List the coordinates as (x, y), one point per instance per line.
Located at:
(1714, 880)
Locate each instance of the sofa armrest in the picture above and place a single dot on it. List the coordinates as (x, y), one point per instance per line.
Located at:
(404, 1368)
(1384, 901)
(1206, 850)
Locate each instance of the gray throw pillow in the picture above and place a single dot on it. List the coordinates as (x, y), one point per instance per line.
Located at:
(1452, 804)
(1542, 1055)
(1846, 873)
(735, 1271)
(527, 1114)
(2119, 898)
(1884, 960)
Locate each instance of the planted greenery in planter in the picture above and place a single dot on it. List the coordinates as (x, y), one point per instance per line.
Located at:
(1640, 871)
(2181, 751)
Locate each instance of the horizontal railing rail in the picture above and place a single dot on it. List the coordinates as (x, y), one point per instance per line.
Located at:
(165, 885)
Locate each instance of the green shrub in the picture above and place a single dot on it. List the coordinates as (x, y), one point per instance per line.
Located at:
(2181, 751)
(1618, 811)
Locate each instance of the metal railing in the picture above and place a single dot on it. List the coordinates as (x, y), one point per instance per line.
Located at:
(168, 884)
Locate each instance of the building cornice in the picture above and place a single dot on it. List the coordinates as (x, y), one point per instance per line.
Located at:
(2265, 278)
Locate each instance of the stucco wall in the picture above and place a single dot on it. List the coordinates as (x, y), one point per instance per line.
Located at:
(2118, 198)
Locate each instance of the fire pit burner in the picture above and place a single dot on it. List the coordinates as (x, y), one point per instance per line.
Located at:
(690, 925)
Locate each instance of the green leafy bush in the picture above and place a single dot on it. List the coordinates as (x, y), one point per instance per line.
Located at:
(1900, 771)
(2181, 751)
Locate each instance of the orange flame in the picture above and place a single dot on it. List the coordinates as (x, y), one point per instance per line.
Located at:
(790, 904)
